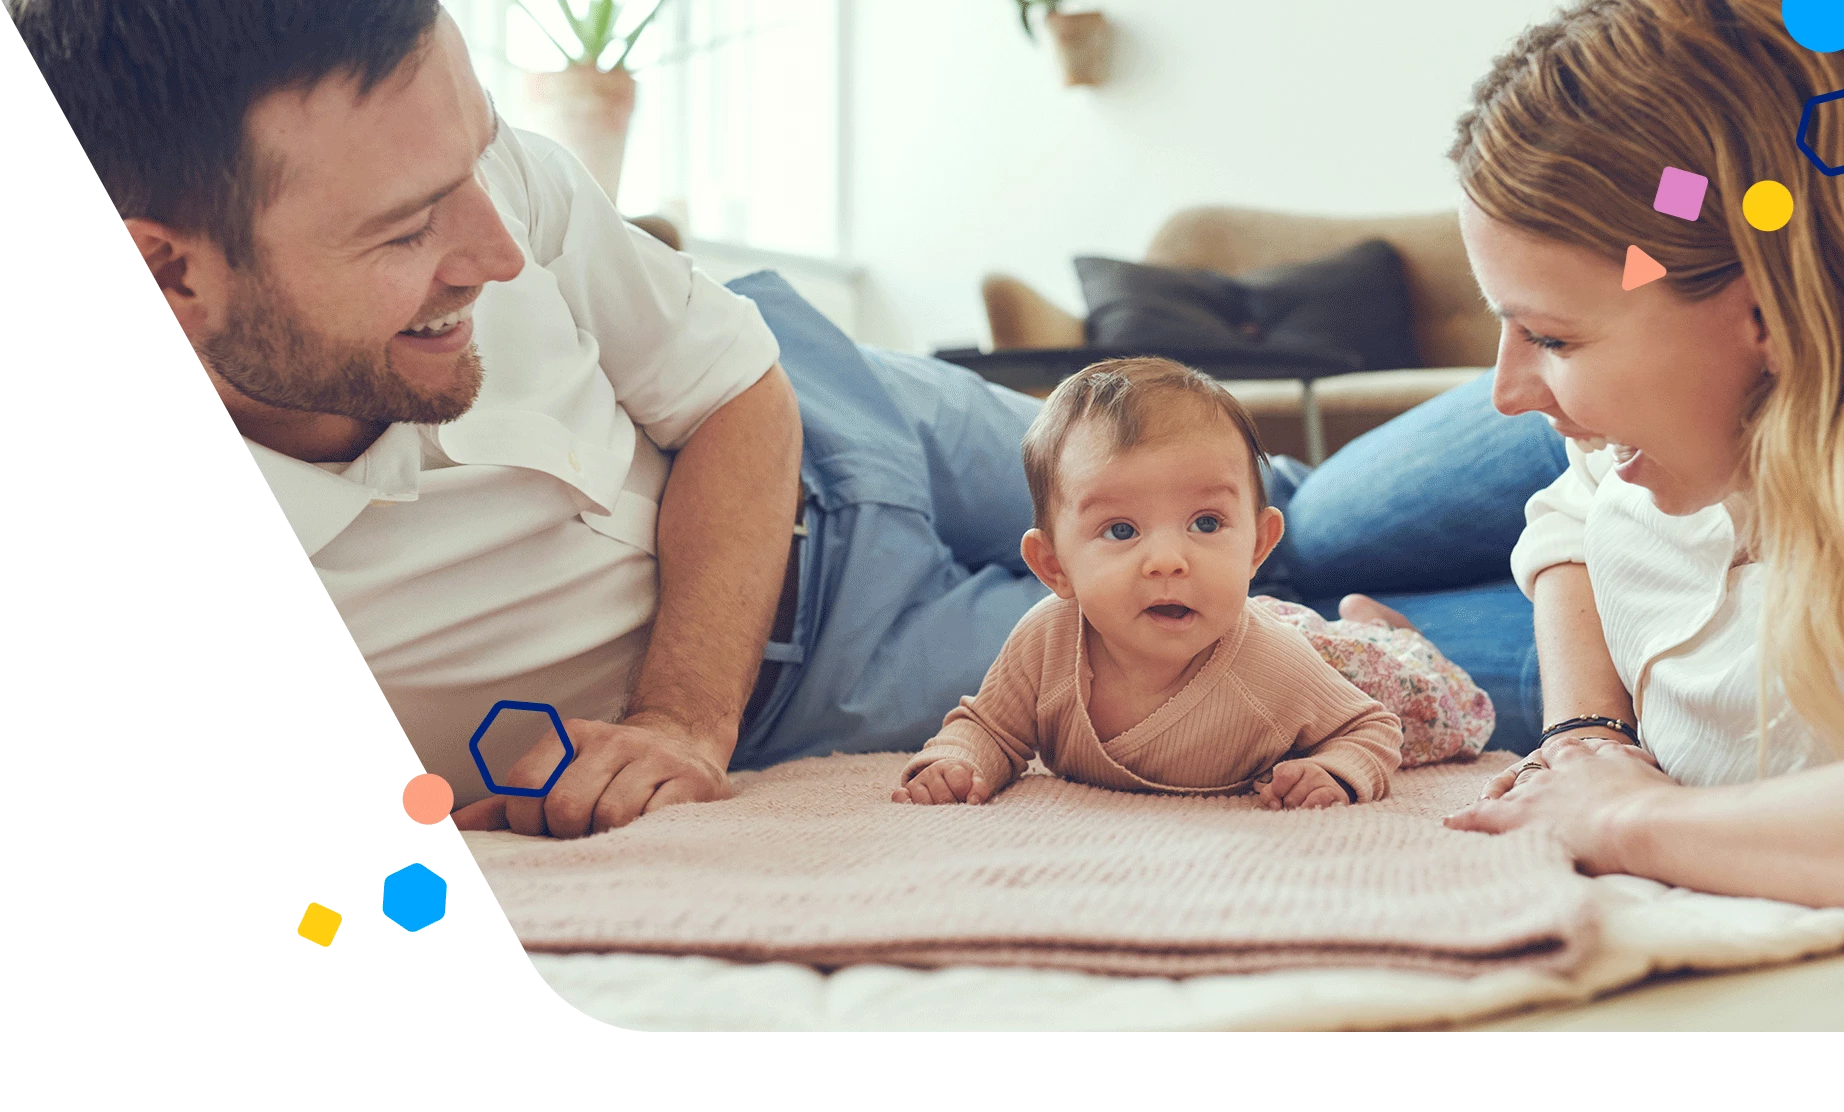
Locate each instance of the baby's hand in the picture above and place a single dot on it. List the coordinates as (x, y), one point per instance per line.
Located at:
(1298, 784)
(945, 781)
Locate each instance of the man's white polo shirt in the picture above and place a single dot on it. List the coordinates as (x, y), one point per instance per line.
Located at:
(510, 553)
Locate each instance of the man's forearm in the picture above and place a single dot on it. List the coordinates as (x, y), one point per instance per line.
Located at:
(1578, 671)
(725, 523)
(1780, 838)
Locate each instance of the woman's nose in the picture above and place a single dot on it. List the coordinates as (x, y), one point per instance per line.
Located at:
(1516, 385)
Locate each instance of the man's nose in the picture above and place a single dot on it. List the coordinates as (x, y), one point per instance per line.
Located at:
(1516, 385)
(487, 251)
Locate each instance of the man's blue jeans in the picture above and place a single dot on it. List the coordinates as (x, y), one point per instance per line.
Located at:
(911, 579)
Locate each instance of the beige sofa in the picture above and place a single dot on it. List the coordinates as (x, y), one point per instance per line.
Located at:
(1456, 336)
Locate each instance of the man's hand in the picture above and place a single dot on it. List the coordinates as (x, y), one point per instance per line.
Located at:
(621, 771)
(945, 781)
(1301, 783)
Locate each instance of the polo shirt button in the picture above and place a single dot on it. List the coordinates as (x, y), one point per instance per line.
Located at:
(576, 465)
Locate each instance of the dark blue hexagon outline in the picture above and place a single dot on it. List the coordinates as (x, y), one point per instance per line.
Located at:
(1805, 122)
(480, 762)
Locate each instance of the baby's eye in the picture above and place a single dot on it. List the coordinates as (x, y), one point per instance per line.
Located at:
(1121, 531)
(1206, 523)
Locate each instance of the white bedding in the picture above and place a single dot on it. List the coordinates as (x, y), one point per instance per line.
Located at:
(1648, 928)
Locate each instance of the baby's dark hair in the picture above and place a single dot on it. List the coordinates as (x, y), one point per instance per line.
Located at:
(1123, 393)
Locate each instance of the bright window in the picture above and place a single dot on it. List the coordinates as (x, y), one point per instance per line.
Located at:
(735, 134)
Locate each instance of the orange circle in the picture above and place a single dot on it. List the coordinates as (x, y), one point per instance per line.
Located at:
(428, 798)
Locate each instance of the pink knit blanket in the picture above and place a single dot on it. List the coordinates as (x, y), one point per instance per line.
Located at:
(812, 863)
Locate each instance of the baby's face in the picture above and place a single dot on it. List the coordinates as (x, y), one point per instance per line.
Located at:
(1158, 542)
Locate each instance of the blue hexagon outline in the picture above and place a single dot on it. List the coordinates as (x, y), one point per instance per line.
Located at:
(413, 877)
(480, 762)
(1805, 122)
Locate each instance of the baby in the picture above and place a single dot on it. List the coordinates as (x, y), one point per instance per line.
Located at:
(1151, 668)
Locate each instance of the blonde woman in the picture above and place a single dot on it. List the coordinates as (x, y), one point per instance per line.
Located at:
(1687, 570)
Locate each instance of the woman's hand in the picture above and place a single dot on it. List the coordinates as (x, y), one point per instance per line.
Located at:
(1591, 736)
(1584, 788)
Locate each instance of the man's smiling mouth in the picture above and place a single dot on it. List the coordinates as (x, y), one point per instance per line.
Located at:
(442, 324)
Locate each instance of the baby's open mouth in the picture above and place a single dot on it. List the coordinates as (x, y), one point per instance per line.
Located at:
(1169, 610)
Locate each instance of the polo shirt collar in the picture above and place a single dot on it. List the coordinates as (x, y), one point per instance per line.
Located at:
(321, 500)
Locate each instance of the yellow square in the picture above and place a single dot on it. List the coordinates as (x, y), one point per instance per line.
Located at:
(319, 924)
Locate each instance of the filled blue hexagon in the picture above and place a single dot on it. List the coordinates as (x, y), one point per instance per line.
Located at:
(414, 897)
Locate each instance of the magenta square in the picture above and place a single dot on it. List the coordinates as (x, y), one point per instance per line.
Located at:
(1680, 193)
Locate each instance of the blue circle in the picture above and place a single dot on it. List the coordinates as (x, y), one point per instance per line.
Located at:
(1817, 25)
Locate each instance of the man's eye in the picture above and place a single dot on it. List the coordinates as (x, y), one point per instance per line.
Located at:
(1121, 531)
(1206, 523)
(416, 238)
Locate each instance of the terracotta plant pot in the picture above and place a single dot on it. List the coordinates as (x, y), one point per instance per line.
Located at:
(587, 110)
(1082, 44)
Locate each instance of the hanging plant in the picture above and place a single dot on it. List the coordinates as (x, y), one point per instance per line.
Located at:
(1082, 39)
(1024, 13)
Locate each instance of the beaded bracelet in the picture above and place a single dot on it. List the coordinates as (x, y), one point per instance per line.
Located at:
(1596, 720)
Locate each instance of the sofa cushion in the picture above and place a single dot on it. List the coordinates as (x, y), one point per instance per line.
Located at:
(1355, 301)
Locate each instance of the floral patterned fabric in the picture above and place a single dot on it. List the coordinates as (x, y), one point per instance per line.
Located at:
(1444, 713)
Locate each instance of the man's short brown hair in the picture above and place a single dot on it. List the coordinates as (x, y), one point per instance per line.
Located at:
(1123, 394)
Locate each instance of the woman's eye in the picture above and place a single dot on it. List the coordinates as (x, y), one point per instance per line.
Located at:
(1121, 531)
(1547, 343)
(1206, 523)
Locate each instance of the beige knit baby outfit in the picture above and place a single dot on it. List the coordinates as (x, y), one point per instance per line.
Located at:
(1263, 697)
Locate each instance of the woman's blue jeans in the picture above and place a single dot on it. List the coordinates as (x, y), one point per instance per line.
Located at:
(1421, 513)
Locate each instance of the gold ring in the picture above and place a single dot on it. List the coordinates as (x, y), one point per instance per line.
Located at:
(1531, 764)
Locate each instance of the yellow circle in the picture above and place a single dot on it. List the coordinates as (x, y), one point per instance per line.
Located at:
(1767, 206)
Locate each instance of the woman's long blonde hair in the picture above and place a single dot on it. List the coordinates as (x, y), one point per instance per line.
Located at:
(1567, 137)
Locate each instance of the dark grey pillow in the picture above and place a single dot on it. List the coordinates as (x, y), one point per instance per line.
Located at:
(1355, 302)
(1157, 308)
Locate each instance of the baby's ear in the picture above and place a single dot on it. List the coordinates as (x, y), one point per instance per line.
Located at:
(1269, 525)
(1041, 556)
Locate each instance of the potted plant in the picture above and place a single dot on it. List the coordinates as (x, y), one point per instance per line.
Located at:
(1081, 39)
(588, 104)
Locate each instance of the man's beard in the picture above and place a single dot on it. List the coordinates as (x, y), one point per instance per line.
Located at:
(267, 355)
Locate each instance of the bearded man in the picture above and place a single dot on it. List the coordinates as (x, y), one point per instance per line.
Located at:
(533, 453)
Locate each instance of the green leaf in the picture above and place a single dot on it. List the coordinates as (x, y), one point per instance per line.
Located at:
(567, 56)
(601, 24)
(569, 13)
(634, 35)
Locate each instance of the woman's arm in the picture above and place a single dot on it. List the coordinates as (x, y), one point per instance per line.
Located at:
(1578, 672)
(1781, 839)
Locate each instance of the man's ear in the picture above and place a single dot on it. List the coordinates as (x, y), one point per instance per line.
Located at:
(1038, 553)
(1268, 529)
(191, 271)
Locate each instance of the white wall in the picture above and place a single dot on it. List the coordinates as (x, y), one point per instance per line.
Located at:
(964, 153)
